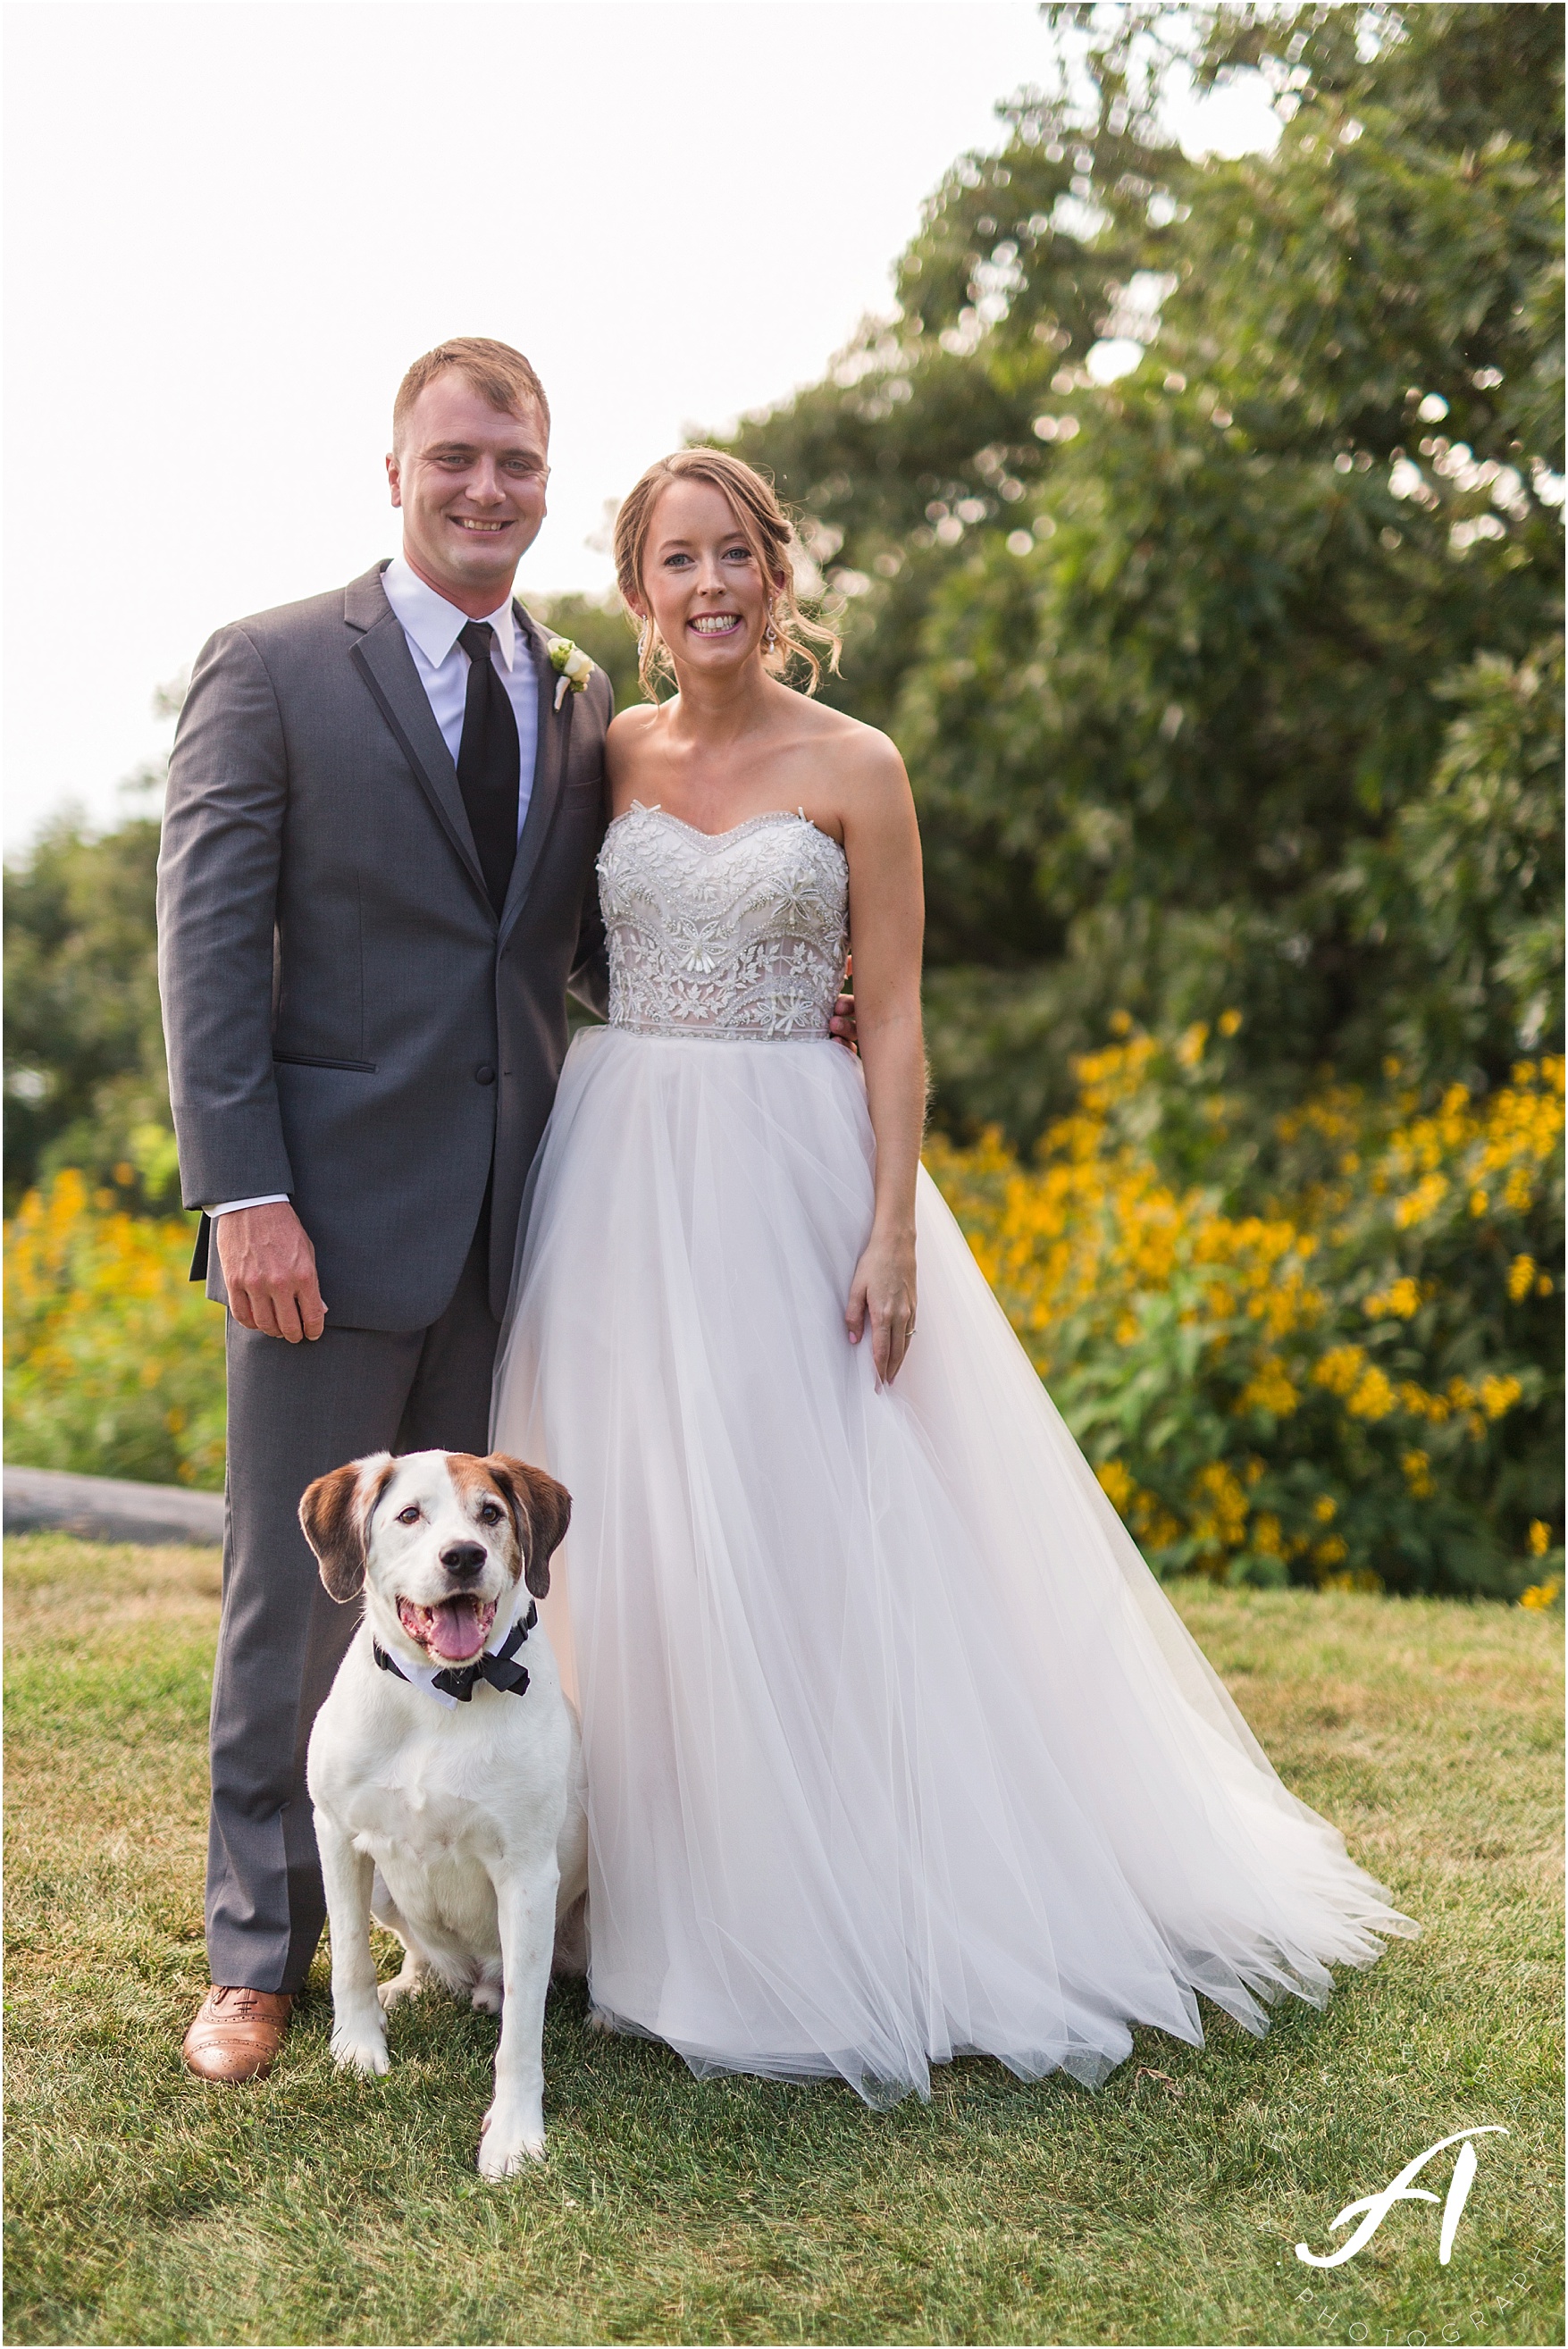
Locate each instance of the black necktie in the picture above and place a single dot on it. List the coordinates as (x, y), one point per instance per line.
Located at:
(487, 762)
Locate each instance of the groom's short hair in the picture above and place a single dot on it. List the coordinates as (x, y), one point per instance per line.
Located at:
(496, 371)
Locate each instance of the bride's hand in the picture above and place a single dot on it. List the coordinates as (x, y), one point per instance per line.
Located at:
(881, 1295)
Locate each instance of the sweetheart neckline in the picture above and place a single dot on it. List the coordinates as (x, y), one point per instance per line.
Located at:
(731, 832)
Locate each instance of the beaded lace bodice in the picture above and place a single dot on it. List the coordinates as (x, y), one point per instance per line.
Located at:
(733, 934)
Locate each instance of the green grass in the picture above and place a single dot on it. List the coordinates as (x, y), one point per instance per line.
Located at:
(143, 2206)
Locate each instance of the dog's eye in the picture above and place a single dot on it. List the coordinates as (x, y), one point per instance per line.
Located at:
(411, 1516)
(490, 1515)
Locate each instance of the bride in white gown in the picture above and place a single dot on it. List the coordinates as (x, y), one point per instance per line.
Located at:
(895, 1749)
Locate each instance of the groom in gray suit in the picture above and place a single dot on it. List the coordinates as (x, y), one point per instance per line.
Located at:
(375, 890)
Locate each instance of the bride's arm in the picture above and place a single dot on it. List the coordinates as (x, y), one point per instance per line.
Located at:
(887, 919)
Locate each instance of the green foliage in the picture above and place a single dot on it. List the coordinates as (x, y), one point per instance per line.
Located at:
(1465, 894)
(114, 1359)
(1171, 658)
(85, 1078)
(1360, 1381)
(599, 624)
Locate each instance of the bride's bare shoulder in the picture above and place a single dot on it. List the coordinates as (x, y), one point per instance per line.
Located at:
(855, 749)
(863, 764)
(630, 724)
(627, 738)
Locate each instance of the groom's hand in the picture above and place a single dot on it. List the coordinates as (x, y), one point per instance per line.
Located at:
(269, 1270)
(842, 1023)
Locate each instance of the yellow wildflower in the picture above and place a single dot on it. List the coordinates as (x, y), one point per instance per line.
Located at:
(1339, 1369)
(1540, 1536)
(1269, 1389)
(1418, 1207)
(1091, 1244)
(1220, 1507)
(1399, 1301)
(1374, 1395)
(1115, 1484)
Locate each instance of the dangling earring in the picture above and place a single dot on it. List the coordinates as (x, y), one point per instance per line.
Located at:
(771, 638)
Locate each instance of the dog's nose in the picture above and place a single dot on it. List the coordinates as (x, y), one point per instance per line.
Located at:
(463, 1561)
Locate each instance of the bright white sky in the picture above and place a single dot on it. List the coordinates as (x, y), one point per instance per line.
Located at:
(234, 222)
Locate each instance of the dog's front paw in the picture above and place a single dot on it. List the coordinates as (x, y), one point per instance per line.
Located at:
(598, 2020)
(509, 2142)
(485, 1998)
(361, 2047)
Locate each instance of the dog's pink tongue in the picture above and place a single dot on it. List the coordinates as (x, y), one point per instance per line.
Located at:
(458, 1631)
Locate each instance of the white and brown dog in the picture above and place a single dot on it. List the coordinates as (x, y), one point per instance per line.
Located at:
(445, 1767)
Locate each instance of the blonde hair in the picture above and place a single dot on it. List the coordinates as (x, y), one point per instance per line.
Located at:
(766, 530)
(496, 371)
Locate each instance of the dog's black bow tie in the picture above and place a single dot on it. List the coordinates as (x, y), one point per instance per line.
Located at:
(500, 1670)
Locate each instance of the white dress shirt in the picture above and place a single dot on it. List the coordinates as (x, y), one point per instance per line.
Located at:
(432, 626)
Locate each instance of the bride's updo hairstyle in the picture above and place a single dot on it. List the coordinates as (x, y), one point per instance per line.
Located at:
(766, 530)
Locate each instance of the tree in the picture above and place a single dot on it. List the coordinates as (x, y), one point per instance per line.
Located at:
(599, 624)
(85, 1078)
(1171, 657)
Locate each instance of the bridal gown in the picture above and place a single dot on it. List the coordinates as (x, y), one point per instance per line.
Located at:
(895, 1749)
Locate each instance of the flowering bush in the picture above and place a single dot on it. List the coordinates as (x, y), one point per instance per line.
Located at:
(114, 1362)
(1349, 1383)
(1330, 1363)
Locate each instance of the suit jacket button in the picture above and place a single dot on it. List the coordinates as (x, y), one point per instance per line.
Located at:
(484, 1075)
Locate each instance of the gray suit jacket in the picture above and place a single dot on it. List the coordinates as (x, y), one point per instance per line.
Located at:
(347, 1020)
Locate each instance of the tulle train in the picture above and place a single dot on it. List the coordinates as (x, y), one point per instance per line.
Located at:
(896, 1748)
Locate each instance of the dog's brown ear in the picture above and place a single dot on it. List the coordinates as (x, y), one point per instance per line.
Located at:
(335, 1515)
(542, 1510)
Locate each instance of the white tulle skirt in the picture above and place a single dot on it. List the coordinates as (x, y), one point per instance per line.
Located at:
(895, 1749)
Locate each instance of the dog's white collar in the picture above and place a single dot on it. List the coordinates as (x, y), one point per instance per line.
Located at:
(425, 1676)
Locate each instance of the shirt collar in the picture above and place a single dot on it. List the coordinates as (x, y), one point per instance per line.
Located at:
(433, 623)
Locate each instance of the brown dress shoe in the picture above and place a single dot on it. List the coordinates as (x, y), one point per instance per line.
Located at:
(237, 2034)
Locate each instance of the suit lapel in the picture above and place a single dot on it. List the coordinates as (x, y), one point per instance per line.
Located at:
(554, 733)
(387, 666)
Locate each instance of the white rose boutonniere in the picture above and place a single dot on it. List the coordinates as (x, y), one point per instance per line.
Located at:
(572, 666)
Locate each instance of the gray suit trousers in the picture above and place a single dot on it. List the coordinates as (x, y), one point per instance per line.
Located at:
(294, 1412)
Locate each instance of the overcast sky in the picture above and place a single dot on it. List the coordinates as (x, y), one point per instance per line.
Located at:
(232, 223)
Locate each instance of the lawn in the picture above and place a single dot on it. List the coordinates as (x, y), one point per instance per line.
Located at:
(143, 2206)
